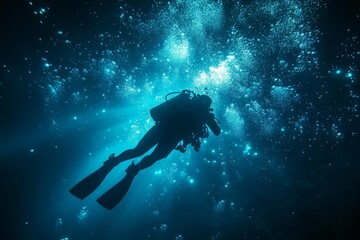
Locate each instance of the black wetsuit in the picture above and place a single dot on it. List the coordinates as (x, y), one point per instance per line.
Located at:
(187, 122)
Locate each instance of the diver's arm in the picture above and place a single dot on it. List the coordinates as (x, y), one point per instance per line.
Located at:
(214, 127)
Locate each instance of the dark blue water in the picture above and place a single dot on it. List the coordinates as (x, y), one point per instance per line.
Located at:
(78, 80)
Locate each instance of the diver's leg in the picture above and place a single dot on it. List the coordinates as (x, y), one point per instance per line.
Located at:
(149, 140)
(162, 150)
(112, 197)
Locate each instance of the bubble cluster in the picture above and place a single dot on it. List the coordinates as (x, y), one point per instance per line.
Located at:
(83, 214)
(258, 60)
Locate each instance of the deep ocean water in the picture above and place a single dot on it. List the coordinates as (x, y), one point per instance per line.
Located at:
(77, 81)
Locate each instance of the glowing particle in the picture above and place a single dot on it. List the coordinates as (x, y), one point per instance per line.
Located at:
(65, 238)
(32, 150)
(59, 221)
(180, 51)
(84, 213)
(283, 63)
(220, 74)
(230, 57)
(177, 47)
(282, 95)
(108, 67)
(190, 180)
(47, 65)
(220, 206)
(247, 149)
(179, 237)
(42, 10)
(349, 75)
(158, 172)
(338, 71)
(59, 32)
(103, 110)
(163, 227)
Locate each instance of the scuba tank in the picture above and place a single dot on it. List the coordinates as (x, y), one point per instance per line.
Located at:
(172, 107)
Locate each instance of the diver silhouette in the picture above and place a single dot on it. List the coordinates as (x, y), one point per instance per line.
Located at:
(180, 121)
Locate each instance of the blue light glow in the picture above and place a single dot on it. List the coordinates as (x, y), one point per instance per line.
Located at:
(82, 83)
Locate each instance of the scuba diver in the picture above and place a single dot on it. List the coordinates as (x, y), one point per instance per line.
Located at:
(179, 121)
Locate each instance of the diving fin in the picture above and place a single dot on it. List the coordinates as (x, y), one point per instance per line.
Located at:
(115, 194)
(86, 186)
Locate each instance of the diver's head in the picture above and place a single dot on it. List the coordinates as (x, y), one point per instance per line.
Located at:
(205, 99)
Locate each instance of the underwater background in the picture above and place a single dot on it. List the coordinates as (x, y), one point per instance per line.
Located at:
(77, 81)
